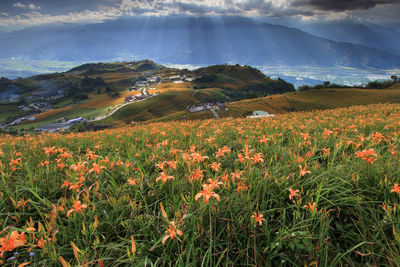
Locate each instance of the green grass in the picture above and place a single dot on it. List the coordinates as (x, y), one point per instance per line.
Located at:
(156, 107)
(9, 110)
(70, 114)
(355, 222)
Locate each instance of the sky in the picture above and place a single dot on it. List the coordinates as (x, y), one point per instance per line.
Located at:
(17, 14)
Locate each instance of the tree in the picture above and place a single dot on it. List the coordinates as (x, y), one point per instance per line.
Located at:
(115, 94)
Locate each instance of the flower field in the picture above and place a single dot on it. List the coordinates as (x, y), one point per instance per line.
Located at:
(303, 189)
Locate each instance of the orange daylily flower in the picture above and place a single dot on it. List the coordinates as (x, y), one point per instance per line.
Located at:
(11, 242)
(96, 168)
(368, 155)
(50, 150)
(236, 174)
(303, 171)
(242, 187)
(258, 218)
(258, 158)
(15, 161)
(207, 193)
(133, 181)
(327, 133)
(77, 207)
(396, 189)
(197, 174)
(220, 153)
(197, 157)
(215, 166)
(164, 177)
(214, 183)
(311, 206)
(171, 232)
(226, 150)
(240, 158)
(293, 193)
(264, 139)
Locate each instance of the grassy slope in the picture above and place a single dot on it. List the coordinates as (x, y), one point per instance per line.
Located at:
(155, 107)
(119, 76)
(174, 98)
(333, 98)
(355, 221)
(304, 101)
(171, 104)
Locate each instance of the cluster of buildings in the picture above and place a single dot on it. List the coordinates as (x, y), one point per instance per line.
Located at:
(132, 98)
(180, 78)
(205, 106)
(63, 124)
(42, 107)
(149, 81)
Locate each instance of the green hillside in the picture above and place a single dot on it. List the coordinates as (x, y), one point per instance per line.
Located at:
(95, 90)
(240, 82)
(317, 99)
(98, 91)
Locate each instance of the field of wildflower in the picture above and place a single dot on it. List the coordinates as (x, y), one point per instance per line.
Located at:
(301, 189)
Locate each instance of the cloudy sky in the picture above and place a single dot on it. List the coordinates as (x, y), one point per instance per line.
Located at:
(25, 13)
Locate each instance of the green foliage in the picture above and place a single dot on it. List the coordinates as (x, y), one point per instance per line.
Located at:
(379, 84)
(98, 68)
(240, 82)
(81, 96)
(371, 85)
(89, 83)
(128, 211)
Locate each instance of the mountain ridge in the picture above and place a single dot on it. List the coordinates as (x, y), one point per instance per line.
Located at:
(169, 40)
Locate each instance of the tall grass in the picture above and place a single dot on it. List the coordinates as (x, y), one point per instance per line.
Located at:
(324, 182)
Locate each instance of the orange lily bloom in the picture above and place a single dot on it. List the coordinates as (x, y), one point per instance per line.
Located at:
(396, 189)
(310, 206)
(293, 193)
(258, 218)
(133, 181)
(207, 193)
(303, 171)
(197, 174)
(214, 183)
(164, 177)
(215, 166)
(220, 153)
(258, 158)
(171, 232)
(77, 207)
(96, 168)
(11, 242)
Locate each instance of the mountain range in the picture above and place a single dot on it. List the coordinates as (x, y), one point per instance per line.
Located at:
(209, 40)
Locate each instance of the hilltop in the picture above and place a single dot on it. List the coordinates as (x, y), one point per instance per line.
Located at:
(99, 68)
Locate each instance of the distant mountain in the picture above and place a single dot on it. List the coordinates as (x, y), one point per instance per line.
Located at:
(381, 37)
(193, 40)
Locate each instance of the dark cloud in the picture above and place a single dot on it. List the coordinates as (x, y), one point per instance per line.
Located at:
(343, 5)
(35, 12)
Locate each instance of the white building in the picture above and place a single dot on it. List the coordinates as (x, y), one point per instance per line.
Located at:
(260, 114)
